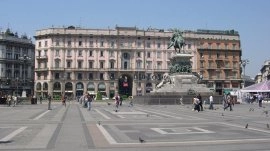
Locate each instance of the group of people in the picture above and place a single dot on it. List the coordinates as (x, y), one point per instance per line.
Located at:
(228, 102)
(11, 99)
(86, 101)
(198, 103)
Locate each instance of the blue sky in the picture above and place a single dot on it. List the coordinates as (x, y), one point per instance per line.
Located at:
(249, 17)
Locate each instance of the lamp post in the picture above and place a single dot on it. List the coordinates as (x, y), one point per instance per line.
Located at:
(25, 58)
(244, 62)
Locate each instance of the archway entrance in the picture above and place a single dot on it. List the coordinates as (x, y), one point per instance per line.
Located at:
(125, 85)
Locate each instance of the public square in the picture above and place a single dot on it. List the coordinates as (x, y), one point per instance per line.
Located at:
(160, 127)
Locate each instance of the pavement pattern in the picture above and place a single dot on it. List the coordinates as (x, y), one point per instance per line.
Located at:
(138, 127)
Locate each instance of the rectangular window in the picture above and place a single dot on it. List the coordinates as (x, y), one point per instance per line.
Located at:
(90, 53)
(218, 46)
(80, 53)
(112, 44)
(158, 45)
(149, 65)
(69, 43)
(101, 65)
(68, 64)
(138, 64)
(68, 75)
(201, 55)
(112, 65)
(226, 46)
(111, 53)
(112, 76)
(159, 65)
(138, 54)
(158, 54)
(148, 54)
(79, 64)
(209, 45)
(101, 44)
(148, 45)
(39, 44)
(57, 53)
(57, 76)
(101, 76)
(69, 53)
(201, 64)
(79, 76)
(91, 44)
(46, 43)
(234, 46)
(101, 53)
(90, 65)
(169, 55)
(139, 44)
(90, 76)
(80, 43)
(45, 52)
(57, 43)
(226, 54)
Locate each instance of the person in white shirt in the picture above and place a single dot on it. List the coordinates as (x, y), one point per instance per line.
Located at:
(211, 101)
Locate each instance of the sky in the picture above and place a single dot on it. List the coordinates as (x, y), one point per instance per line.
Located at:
(251, 18)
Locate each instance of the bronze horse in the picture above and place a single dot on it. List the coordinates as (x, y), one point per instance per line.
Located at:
(177, 41)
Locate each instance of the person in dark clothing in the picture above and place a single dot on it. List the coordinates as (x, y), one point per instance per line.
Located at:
(200, 102)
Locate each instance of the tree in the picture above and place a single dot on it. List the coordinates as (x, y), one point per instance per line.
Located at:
(99, 96)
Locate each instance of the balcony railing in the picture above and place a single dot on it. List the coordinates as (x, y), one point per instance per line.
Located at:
(42, 57)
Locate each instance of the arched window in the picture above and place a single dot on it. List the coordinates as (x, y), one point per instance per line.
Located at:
(68, 86)
(57, 86)
(45, 86)
(38, 86)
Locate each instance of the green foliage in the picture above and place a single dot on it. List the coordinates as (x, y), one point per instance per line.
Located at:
(57, 97)
(124, 97)
(99, 96)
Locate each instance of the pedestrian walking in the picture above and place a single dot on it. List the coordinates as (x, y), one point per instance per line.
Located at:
(196, 104)
(89, 101)
(9, 99)
(64, 98)
(228, 102)
(49, 102)
(260, 99)
(40, 99)
(117, 100)
(211, 102)
(14, 100)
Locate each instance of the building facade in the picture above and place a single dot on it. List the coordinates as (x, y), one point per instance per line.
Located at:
(127, 60)
(219, 59)
(265, 71)
(16, 63)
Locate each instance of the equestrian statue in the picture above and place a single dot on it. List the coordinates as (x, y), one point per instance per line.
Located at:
(177, 41)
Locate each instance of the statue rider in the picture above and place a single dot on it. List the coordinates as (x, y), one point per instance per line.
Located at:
(177, 41)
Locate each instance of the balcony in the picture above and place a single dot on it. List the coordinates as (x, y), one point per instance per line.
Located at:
(43, 57)
(57, 69)
(41, 69)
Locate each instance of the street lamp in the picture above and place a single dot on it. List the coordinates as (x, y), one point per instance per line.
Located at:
(244, 62)
(25, 58)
